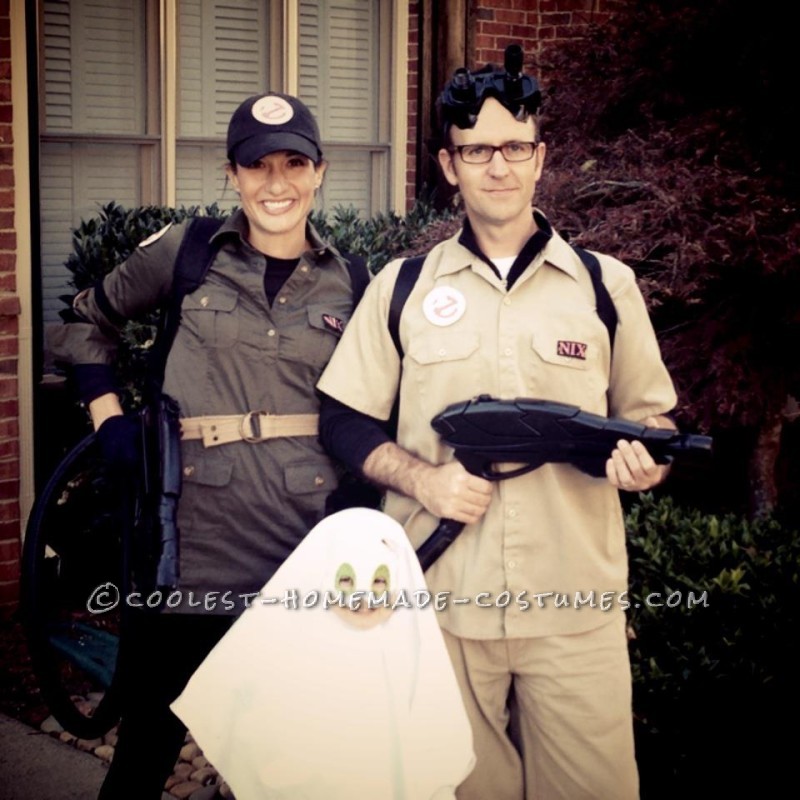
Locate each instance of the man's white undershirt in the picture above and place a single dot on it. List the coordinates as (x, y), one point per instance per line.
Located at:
(504, 265)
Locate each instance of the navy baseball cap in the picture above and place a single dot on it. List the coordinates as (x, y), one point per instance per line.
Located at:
(267, 123)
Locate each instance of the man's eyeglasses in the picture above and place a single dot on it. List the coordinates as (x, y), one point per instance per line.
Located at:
(484, 153)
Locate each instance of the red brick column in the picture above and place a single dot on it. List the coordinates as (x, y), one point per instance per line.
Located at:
(413, 86)
(9, 339)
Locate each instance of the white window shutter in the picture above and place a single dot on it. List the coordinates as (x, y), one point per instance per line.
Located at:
(94, 83)
(223, 60)
(94, 66)
(339, 81)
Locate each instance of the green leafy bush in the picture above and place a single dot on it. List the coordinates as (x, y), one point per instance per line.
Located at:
(713, 671)
(380, 238)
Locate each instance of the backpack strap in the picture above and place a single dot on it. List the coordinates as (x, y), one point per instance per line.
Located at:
(359, 275)
(412, 267)
(194, 259)
(195, 256)
(407, 277)
(605, 305)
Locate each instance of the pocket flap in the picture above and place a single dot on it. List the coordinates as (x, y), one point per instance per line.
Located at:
(306, 477)
(208, 469)
(211, 298)
(564, 351)
(444, 346)
(327, 318)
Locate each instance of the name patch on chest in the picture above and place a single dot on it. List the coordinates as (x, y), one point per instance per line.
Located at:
(571, 349)
(333, 323)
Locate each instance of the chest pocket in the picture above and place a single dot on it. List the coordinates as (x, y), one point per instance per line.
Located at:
(443, 347)
(210, 315)
(574, 352)
(569, 364)
(314, 339)
(442, 367)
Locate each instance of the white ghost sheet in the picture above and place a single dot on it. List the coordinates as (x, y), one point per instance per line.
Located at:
(323, 703)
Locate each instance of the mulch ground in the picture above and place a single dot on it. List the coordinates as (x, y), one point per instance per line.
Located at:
(19, 694)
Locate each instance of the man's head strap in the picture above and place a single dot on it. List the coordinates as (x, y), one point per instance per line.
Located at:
(463, 97)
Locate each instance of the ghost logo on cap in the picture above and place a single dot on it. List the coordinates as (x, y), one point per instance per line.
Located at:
(270, 123)
(272, 110)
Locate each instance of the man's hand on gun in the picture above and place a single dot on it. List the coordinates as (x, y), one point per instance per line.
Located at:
(631, 468)
(450, 492)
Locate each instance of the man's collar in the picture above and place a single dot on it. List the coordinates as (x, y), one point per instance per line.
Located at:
(558, 252)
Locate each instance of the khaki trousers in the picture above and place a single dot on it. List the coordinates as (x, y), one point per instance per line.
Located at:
(570, 715)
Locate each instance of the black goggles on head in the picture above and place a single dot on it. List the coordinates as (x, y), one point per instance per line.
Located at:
(463, 97)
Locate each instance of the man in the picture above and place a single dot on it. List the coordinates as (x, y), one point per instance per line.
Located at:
(537, 578)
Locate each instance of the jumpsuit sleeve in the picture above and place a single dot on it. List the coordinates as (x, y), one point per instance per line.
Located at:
(86, 345)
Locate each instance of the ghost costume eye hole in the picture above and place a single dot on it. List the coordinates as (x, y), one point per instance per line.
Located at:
(345, 580)
(380, 580)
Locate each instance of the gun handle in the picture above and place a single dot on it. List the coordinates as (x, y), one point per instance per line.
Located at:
(438, 542)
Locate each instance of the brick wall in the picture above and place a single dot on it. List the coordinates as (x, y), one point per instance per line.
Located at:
(9, 341)
(494, 24)
(534, 24)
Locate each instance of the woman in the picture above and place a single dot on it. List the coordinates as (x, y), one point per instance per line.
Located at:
(252, 339)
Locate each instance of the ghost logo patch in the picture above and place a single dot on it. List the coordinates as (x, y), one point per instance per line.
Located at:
(333, 323)
(571, 349)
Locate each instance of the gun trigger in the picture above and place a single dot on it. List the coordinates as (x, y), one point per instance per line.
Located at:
(475, 465)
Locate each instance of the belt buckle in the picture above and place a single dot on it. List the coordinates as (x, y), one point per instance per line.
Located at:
(251, 418)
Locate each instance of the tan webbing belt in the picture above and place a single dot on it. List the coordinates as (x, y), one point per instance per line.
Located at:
(252, 427)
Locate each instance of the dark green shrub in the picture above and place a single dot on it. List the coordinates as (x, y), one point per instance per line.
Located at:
(710, 680)
(380, 238)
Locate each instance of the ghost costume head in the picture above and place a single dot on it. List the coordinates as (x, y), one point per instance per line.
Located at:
(360, 573)
(329, 693)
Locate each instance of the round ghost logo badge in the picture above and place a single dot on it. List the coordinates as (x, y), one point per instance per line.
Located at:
(272, 110)
(443, 306)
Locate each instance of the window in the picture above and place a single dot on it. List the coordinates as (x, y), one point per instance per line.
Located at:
(135, 103)
(222, 59)
(339, 75)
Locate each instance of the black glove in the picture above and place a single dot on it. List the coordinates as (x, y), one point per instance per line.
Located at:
(120, 442)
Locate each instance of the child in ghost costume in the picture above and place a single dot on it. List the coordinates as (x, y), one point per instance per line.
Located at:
(316, 703)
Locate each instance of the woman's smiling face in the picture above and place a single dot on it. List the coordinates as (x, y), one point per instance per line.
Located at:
(277, 194)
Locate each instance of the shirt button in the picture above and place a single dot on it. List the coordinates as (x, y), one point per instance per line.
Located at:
(442, 352)
(304, 268)
(204, 301)
(512, 564)
(188, 471)
(512, 512)
(271, 332)
(508, 351)
(319, 481)
(281, 300)
(506, 301)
